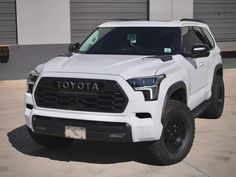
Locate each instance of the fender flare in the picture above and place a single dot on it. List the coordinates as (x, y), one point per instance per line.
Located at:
(171, 90)
(218, 66)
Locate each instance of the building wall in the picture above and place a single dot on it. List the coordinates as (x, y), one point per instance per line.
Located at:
(43, 21)
(24, 58)
(171, 9)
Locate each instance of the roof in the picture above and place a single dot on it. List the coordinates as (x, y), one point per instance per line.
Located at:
(120, 23)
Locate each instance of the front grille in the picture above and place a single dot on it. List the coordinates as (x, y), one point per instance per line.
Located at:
(63, 93)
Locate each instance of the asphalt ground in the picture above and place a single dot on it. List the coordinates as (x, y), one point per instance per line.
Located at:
(213, 152)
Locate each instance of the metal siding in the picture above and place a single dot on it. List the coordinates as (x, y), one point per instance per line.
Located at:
(220, 15)
(8, 22)
(86, 15)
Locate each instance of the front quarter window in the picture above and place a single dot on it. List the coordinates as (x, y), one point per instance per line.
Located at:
(92, 39)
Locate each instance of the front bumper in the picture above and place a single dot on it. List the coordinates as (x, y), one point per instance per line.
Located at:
(103, 126)
(95, 130)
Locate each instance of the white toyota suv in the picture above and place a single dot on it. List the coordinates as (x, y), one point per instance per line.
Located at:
(130, 81)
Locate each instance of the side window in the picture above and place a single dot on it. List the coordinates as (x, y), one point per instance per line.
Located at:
(209, 38)
(190, 37)
(200, 35)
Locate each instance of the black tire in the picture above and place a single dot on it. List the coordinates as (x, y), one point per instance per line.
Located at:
(215, 109)
(49, 141)
(177, 135)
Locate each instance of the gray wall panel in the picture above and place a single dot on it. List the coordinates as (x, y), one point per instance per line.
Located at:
(8, 22)
(220, 15)
(86, 15)
(24, 58)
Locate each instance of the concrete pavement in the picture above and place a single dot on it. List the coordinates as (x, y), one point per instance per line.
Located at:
(213, 152)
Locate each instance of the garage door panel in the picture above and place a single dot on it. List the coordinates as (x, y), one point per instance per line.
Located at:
(7, 22)
(108, 1)
(107, 5)
(86, 15)
(7, 17)
(81, 16)
(215, 8)
(220, 15)
(215, 1)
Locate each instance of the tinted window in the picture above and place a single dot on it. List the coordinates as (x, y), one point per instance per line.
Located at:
(209, 38)
(199, 33)
(133, 41)
(190, 37)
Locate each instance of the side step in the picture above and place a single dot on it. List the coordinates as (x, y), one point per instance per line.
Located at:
(200, 109)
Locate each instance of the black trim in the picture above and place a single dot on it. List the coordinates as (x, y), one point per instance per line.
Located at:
(29, 106)
(148, 10)
(218, 66)
(143, 115)
(163, 58)
(95, 130)
(191, 20)
(196, 112)
(170, 91)
(68, 54)
(175, 87)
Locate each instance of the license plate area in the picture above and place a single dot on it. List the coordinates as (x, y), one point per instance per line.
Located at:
(75, 132)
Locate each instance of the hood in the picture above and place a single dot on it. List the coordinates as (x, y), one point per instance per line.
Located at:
(127, 66)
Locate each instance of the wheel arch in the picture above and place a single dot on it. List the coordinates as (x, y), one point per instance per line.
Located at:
(218, 70)
(177, 91)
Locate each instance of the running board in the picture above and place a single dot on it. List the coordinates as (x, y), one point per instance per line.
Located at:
(196, 112)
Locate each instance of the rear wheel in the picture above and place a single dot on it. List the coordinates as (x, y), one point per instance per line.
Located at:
(49, 141)
(177, 135)
(215, 109)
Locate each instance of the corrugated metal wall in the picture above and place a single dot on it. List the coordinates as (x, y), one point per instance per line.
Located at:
(86, 15)
(8, 22)
(220, 15)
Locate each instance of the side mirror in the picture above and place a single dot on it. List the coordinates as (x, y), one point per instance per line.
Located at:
(4, 54)
(73, 47)
(200, 50)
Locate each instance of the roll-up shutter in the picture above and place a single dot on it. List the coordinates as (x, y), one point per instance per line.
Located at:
(86, 15)
(220, 15)
(8, 22)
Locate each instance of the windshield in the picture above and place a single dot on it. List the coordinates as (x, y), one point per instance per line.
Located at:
(133, 41)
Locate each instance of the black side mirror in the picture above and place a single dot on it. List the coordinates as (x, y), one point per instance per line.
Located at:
(4, 54)
(74, 47)
(200, 50)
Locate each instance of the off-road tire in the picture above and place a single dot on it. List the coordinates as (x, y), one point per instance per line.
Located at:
(49, 141)
(168, 150)
(215, 109)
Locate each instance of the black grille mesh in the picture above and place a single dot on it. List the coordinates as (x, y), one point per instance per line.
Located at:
(109, 98)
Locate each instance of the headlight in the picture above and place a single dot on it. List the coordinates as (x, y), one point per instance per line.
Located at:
(32, 77)
(148, 85)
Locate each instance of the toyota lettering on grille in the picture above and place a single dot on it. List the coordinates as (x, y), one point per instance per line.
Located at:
(77, 85)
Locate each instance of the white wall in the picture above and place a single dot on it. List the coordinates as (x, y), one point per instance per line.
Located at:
(171, 9)
(43, 21)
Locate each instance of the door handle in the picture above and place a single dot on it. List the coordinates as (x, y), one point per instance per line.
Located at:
(201, 63)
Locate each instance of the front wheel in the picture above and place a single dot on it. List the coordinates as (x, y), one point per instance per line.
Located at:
(177, 135)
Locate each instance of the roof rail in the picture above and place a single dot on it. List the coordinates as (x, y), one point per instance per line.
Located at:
(191, 20)
(127, 20)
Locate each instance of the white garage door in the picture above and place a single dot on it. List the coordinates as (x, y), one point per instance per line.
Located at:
(86, 15)
(220, 15)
